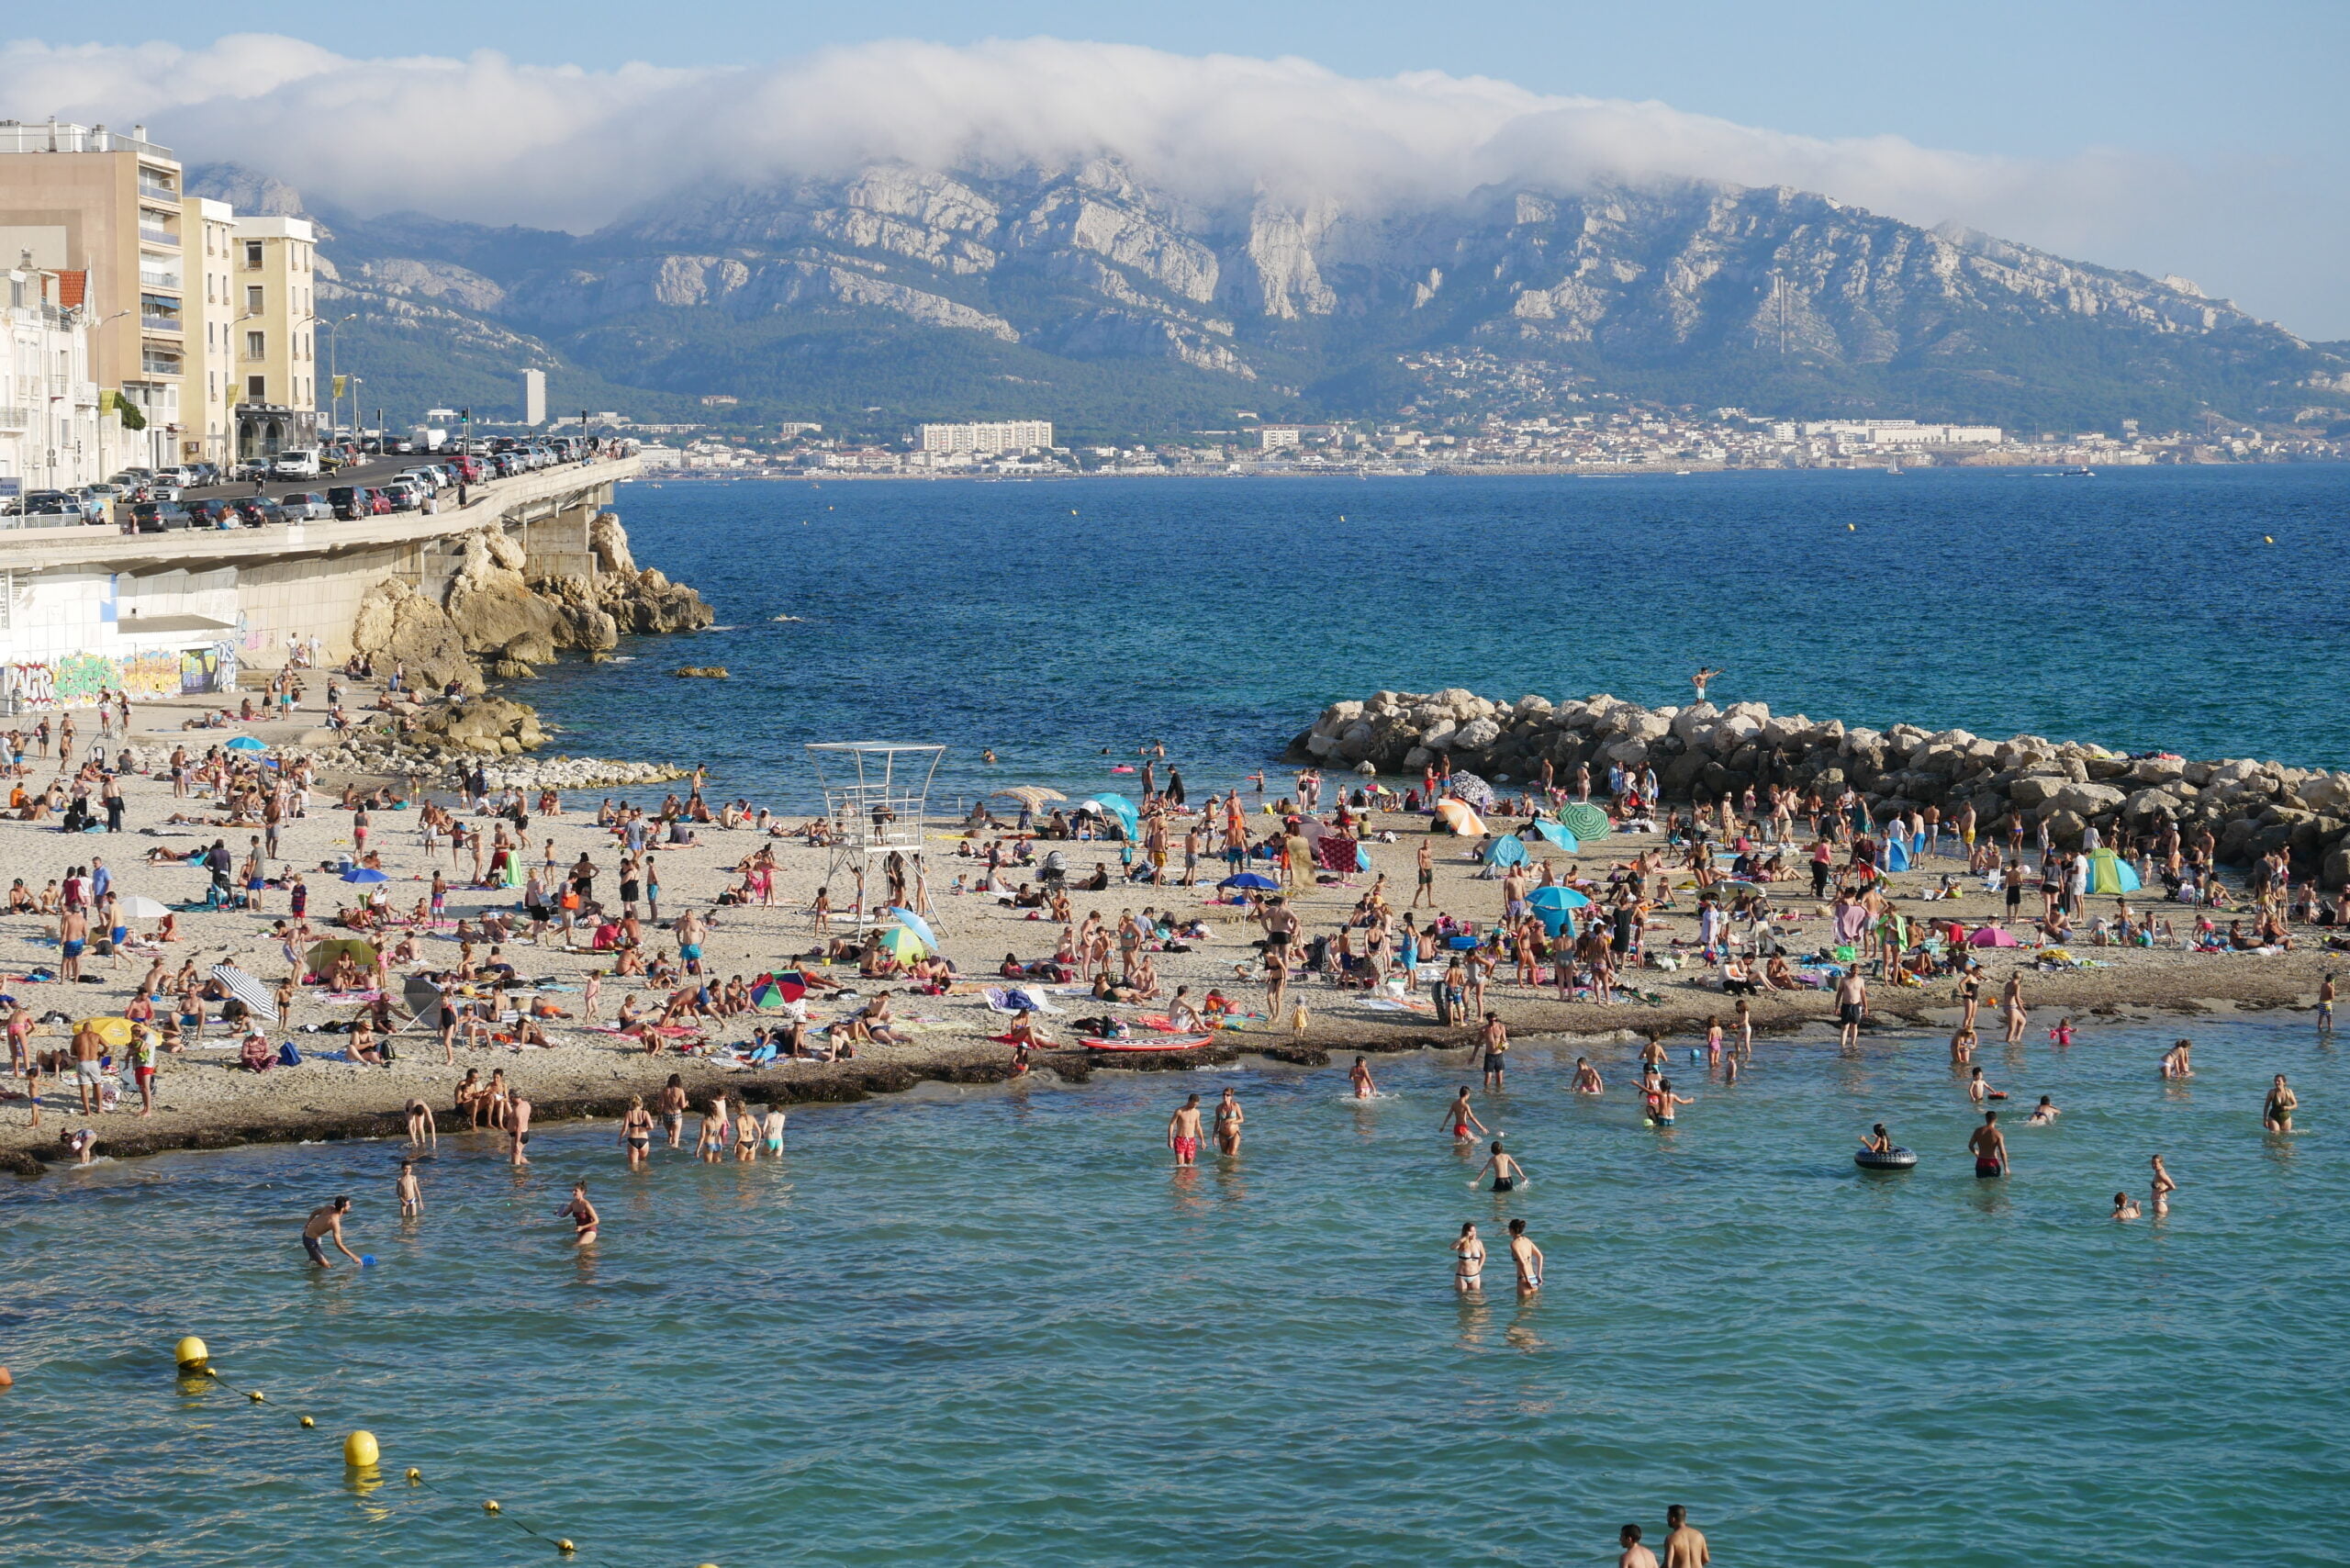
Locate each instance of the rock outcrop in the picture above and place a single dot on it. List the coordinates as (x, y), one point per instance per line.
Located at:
(395, 624)
(2250, 808)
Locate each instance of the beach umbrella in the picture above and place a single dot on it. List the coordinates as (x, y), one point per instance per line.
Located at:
(1470, 788)
(1457, 816)
(1993, 936)
(139, 906)
(1557, 899)
(1035, 796)
(364, 874)
(777, 990)
(1249, 879)
(901, 944)
(1557, 833)
(247, 743)
(247, 990)
(1585, 820)
(322, 954)
(114, 1032)
(916, 925)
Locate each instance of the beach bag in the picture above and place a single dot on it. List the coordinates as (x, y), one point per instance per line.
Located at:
(287, 1056)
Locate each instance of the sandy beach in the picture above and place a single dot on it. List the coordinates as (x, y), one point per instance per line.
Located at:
(205, 1100)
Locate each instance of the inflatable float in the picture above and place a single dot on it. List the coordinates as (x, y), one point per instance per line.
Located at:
(1892, 1159)
(1148, 1043)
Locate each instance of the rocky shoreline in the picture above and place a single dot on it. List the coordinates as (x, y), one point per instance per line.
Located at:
(2250, 807)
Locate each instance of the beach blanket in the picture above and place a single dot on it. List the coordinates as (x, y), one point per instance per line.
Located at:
(1019, 999)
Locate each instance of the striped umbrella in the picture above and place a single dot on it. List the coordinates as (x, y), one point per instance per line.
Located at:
(247, 990)
(1585, 820)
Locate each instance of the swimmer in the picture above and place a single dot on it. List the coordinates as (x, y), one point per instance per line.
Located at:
(325, 1224)
(2043, 1114)
(1659, 1100)
(1468, 1259)
(1360, 1076)
(1587, 1080)
(1961, 1045)
(1228, 1119)
(2276, 1115)
(2063, 1033)
(1635, 1555)
(636, 1131)
(1508, 1174)
(1527, 1256)
(1978, 1088)
(2164, 1186)
(1183, 1132)
(2177, 1061)
(1989, 1146)
(582, 1216)
(409, 1190)
(715, 1132)
(1460, 1120)
(1877, 1140)
(672, 1101)
(2125, 1206)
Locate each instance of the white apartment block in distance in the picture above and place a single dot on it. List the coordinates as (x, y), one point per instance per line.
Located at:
(986, 440)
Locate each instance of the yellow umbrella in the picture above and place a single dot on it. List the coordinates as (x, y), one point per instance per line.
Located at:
(903, 945)
(114, 1032)
(1456, 815)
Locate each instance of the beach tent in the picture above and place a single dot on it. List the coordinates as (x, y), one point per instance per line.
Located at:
(1896, 853)
(1112, 804)
(1557, 833)
(1456, 815)
(1993, 936)
(2108, 873)
(321, 958)
(1507, 850)
(1585, 820)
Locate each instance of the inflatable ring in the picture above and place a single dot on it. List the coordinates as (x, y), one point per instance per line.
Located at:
(1893, 1159)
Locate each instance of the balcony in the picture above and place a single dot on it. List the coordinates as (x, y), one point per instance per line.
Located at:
(160, 324)
(16, 419)
(158, 280)
(154, 235)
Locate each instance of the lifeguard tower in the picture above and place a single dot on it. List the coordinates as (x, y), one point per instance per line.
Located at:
(876, 795)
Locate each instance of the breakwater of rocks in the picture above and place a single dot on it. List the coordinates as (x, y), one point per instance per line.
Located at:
(2249, 807)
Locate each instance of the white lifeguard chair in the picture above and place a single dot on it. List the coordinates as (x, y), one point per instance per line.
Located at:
(877, 794)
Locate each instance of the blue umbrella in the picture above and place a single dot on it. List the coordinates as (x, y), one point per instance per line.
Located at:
(1557, 833)
(916, 925)
(1557, 898)
(1506, 850)
(246, 742)
(1249, 879)
(364, 874)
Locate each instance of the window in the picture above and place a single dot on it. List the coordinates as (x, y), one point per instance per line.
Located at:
(257, 388)
(7, 599)
(253, 254)
(252, 298)
(256, 344)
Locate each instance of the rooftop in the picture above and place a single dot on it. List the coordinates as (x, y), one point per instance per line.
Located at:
(61, 136)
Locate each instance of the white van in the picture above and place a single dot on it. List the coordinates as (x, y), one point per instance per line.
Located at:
(301, 464)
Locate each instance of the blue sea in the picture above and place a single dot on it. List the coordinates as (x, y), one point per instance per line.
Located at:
(2145, 609)
(997, 1327)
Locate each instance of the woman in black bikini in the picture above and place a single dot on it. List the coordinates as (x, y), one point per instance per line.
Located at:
(636, 1130)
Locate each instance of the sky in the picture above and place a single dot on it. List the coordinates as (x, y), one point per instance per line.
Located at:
(2197, 140)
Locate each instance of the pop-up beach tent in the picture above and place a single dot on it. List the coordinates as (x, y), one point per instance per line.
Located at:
(1896, 853)
(1507, 850)
(1557, 833)
(2108, 873)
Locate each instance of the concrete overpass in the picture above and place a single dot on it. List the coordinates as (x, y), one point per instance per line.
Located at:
(83, 607)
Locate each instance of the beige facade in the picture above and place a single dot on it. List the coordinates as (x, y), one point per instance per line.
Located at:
(273, 282)
(208, 394)
(84, 198)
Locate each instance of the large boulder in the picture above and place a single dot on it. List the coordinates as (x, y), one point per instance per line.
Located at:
(398, 625)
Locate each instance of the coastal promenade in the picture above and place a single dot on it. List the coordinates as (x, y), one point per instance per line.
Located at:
(165, 614)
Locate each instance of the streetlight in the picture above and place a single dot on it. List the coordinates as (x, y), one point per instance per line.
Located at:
(101, 327)
(334, 381)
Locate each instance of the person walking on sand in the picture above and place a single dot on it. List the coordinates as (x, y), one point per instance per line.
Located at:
(2276, 1115)
(1228, 1119)
(2164, 1187)
(1527, 1256)
(582, 1216)
(1183, 1132)
(325, 1224)
(1425, 859)
(1468, 1259)
(1460, 1121)
(1989, 1146)
(1684, 1547)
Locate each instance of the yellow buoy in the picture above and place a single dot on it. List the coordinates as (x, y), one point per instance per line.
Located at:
(490, 1506)
(2268, 538)
(254, 1394)
(566, 1547)
(190, 1354)
(415, 1476)
(359, 1450)
(307, 1422)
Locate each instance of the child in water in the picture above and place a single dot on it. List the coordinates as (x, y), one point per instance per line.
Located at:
(2063, 1033)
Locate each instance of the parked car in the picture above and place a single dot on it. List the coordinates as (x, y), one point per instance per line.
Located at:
(350, 502)
(306, 506)
(155, 516)
(259, 511)
(209, 514)
(406, 495)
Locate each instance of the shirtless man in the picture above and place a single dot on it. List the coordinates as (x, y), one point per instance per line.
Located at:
(1527, 1256)
(1705, 674)
(87, 1074)
(518, 1112)
(1684, 1547)
(73, 935)
(422, 1128)
(409, 1191)
(2325, 1005)
(1587, 1079)
(1495, 1038)
(2277, 1117)
(1228, 1119)
(1359, 1077)
(1851, 1005)
(1460, 1121)
(325, 1224)
(1184, 1133)
(1427, 889)
(1989, 1146)
(1635, 1555)
(582, 1216)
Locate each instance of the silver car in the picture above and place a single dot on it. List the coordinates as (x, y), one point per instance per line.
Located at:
(305, 506)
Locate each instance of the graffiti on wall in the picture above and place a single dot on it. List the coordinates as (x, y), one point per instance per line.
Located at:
(78, 680)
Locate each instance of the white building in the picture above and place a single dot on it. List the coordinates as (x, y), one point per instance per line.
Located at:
(48, 404)
(1005, 436)
(1905, 432)
(534, 396)
(1272, 436)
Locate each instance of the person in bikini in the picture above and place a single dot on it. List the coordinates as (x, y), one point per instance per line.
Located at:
(636, 1131)
(1228, 1120)
(1468, 1259)
(1359, 1077)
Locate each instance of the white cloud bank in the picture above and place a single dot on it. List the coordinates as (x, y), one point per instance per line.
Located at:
(486, 139)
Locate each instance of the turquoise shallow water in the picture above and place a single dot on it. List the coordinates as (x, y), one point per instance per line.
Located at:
(994, 1326)
(2142, 609)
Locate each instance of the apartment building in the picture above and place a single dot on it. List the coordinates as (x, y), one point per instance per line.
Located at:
(209, 390)
(83, 198)
(48, 405)
(1004, 435)
(273, 281)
